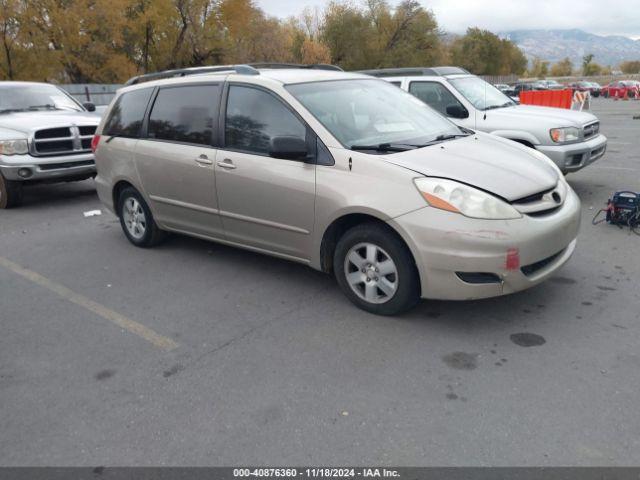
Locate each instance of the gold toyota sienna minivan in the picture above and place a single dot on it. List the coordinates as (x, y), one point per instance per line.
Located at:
(343, 172)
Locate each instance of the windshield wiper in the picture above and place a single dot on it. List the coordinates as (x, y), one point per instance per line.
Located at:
(492, 107)
(46, 106)
(12, 110)
(443, 138)
(385, 147)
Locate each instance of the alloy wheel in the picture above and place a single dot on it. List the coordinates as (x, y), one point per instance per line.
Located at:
(371, 273)
(134, 218)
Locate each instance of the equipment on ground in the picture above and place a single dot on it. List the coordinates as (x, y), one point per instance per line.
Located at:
(623, 209)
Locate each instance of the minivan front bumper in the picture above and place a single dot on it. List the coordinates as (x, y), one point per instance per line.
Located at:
(461, 258)
(574, 156)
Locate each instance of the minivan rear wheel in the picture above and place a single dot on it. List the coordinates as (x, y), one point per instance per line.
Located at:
(376, 270)
(10, 193)
(137, 220)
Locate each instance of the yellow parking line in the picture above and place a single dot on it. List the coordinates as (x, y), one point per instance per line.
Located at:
(100, 310)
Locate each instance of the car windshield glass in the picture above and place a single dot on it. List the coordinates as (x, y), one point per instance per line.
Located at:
(373, 112)
(26, 97)
(481, 94)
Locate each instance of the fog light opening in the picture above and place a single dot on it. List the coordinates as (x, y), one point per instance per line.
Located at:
(25, 172)
(479, 277)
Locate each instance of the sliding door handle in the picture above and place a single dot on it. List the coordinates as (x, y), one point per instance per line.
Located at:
(226, 163)
(204, 160)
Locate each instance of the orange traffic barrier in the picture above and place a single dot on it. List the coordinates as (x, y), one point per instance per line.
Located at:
(547, 98)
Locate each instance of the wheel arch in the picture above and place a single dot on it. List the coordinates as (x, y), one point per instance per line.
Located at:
(519, 136)
(340, 225)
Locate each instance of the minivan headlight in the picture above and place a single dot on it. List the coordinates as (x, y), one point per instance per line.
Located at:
(564, 134)
(13, 147)
(460, 198)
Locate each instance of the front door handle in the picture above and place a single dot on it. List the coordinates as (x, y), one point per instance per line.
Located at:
(204, 160)
(226, 163)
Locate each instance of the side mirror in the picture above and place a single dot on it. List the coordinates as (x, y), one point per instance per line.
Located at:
(89, 106)
(288, 148)
(457, 111)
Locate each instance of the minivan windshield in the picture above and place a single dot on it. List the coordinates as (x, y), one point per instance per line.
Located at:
(34, 97)
(370, 112)
(481, 94)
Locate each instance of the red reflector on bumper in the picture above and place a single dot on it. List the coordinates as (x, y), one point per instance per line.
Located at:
(513, 259)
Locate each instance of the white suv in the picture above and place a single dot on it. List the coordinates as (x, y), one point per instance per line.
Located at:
(571, 139)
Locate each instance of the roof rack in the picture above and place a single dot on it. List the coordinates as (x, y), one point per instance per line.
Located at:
(415, 71)
(242, 69)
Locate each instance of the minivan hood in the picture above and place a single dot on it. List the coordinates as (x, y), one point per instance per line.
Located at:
(493, 164)
(30, 121)
(553, 117)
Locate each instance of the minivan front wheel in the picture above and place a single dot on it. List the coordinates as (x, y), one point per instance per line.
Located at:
(136, 219)
(376, 270)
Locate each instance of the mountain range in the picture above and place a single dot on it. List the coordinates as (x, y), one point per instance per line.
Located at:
(554, 45)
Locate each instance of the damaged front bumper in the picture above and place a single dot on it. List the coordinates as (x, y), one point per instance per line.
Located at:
(462, 258)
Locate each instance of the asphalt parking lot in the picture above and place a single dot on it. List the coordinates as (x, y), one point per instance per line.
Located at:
(194, 353)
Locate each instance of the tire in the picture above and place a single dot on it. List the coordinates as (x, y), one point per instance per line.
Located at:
(10, 193)
(137, 220)
(374, 290)
(605, 94)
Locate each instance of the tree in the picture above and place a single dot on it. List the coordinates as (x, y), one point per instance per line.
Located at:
(563, 68)
(630, 67)
(539, 68)
(313, 52)
(378, 36)
(9, 26)
(484, 53)
(588, 67)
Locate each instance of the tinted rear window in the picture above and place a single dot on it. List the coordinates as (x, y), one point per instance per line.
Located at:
(127, 114)
(185, 114)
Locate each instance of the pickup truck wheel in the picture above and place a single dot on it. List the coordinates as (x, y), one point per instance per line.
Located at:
(10, 193)
(136, 219)
(376, 270)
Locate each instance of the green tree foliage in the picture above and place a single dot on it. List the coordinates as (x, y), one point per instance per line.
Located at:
(377, 36)
(630, 66)
(110, 40)
(539, 68)
(563, 68)
(484, 53)
(589, 67)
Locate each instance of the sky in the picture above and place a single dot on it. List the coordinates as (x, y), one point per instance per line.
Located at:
(594, 16)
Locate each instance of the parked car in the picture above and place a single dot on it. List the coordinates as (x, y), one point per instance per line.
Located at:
(342, 172)
(583, 86)
(571, 139)
(508, 90)
(618, 88)
(551, 85)
(595, 89)
(45, 136)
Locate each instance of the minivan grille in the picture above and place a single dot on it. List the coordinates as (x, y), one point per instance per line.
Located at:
(63, 140)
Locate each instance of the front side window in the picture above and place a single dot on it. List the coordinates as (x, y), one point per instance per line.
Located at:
(125, 119)
(254, 117)
(371, 112)
(21, 97)
(185, 114)
(435, 95)
(481, 94)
